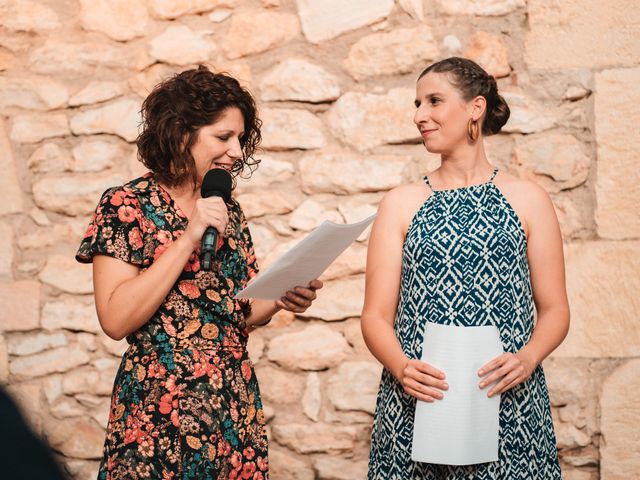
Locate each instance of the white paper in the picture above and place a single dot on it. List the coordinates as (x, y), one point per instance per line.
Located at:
(305, 261)
(461, 428)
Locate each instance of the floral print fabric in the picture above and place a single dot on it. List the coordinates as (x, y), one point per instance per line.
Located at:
(186, 402)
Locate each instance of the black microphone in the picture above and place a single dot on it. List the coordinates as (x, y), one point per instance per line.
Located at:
(216, 183)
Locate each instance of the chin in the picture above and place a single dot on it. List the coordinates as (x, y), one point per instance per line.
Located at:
(432, 147)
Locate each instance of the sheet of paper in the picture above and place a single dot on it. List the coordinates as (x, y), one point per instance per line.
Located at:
(305, 261)
(462, 428)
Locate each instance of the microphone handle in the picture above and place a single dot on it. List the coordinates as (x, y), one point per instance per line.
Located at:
(208, 250)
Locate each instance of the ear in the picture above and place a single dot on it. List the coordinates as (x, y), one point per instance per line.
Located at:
(478, 106)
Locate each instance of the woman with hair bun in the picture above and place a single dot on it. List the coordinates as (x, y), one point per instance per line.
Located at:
(468, 245)
(185, 402)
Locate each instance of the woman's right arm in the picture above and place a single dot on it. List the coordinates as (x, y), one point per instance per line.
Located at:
(126, 298)
(384, 266)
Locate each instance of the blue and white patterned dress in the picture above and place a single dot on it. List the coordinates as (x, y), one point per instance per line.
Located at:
(465, 264)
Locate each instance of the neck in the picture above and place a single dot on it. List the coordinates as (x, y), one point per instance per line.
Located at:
(465, 166)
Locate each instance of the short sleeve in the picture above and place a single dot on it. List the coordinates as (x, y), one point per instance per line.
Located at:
(252, 263)
(115, 229)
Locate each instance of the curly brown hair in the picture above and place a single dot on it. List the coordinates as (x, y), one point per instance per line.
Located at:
(177, 108)
(472, 81)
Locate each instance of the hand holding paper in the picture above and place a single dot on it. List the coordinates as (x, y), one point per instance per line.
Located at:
(305, 261)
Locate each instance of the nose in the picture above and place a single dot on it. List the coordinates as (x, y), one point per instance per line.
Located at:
(235, 149)
(421, 115)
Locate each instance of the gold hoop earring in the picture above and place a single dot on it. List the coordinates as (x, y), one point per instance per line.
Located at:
(473, 129)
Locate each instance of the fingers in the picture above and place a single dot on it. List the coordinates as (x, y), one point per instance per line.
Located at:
(427, 369)
(508, 382)
(422, 392)
(315, 284)
(423, 381)
(493, 364)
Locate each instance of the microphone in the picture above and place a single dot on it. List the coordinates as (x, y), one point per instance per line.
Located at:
(216, 183)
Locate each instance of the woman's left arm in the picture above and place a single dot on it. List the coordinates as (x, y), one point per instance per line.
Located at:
(546, 266)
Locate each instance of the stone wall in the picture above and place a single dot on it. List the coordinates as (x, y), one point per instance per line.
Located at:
(335, 82)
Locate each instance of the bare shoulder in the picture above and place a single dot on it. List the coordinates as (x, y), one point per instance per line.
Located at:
(528, 199)
(399, 205)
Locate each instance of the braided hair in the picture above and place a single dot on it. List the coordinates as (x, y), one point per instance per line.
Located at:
(175, 111)
(472, 81)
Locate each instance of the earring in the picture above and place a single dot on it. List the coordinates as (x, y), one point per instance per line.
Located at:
(473, 129)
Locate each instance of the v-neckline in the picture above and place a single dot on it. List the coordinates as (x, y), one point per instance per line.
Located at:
(172, 203)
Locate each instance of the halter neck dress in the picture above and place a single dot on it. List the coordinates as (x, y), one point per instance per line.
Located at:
(464, 263)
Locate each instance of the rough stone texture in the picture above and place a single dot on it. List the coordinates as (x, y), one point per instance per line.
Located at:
(315, 348)
(168, 9)
(565, 27)
(180, 45)
(312, 398)
(27, 396)
(350, 173)
(20, 305)
(33, 93)
(85, 379)
(355, 386)
(248, 36)
(490, 52)
(413, 7)
(287, 128)
(339, 468)
(287, 467)
(59, 359)
(618, 178)
(279, 387)
(119, 118)
(50, 158)
(316, 437)
(84, 56)
(27, 16)
(310, 214)
(555, 161)
(271, 169)
(299, 80)
(97, 91)
(32, 128)
(9, 184)
(365, 120)
(94, 156)
(65, 274)
(597, 271)
(254, 205)
(398, 51)
(325, 20)
(6, 259)
(119, 19)
(620, 422)
(485, 7)
(34, 343)
(572, 131)
(351, 262)
(77, 438)
(72, 195)
(527, 115)
(338, 300)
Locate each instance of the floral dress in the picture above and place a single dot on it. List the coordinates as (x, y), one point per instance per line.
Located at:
(186, 402)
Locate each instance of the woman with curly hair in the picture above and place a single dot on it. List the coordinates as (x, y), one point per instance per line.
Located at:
(468, 245)
(186, 402)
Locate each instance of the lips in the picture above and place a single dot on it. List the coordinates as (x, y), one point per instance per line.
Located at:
(425, 133)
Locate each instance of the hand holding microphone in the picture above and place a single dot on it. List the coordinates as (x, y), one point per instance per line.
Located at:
(210, 217)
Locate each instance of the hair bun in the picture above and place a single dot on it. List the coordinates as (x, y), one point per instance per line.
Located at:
(497, 115)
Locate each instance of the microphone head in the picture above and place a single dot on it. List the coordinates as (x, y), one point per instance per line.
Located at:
(216, 182)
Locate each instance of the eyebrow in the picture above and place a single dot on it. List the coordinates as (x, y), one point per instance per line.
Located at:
(427, 97)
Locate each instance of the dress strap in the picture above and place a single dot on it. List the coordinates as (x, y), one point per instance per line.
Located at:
(495, 172)
(426, 180)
